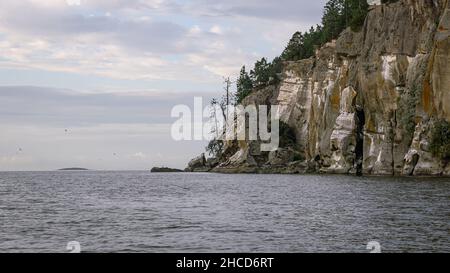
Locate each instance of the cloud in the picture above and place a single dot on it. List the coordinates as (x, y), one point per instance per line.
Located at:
(139, 155)
(40, 105)
(64, 128)
(197, 40)
(98, 147)
(15, 159)
(120, 45)
(282, 10)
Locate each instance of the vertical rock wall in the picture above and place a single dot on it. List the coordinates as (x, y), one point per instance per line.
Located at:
(368, 101)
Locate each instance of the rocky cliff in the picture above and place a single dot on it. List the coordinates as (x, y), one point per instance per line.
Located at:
(368, 102)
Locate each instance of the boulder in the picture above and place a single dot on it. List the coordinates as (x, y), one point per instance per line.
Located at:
(281, 157)
(212, 162)
(198, 164)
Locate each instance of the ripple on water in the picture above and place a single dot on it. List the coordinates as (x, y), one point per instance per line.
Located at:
(143, 212)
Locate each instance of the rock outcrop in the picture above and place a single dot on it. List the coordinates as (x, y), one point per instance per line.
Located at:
(366, 102)
(198, 164)
(165, 170)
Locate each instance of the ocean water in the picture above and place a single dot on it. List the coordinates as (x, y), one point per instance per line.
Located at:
(145, 212)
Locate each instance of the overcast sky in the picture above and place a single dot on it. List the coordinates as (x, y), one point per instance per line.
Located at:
(93, 85)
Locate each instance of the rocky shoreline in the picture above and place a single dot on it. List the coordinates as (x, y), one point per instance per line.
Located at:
(373, 102)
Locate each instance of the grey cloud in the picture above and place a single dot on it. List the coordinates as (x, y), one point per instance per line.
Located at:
(148, 35)
(92, 18)
(32, 117)
(31, 19)
(157, 37)
(294, 10)
(282, 10)
(99, 125)
(38, 105)
(155, 5)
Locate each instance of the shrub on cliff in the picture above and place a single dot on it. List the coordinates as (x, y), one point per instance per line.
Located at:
(215, 148)
(440, 139)
(406, 113)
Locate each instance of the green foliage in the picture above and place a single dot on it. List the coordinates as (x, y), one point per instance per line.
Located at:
(333, 20)
(215, 148)
(261, 73)
(244, 85)
(266, 73)
(440, 139)
(294, 49)
(301, 46)
(407, 111)
(338, 15)
(276, 68)
(357, 10)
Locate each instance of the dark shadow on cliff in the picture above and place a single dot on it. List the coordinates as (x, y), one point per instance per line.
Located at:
(359, 150)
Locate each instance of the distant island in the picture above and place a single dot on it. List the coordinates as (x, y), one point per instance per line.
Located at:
(73, 169)
(165, 170)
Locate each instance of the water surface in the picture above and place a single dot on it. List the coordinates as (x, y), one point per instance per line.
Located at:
(145, 212)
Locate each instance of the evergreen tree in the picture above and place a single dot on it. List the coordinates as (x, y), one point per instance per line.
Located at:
(333, 20)
(260, 74)
(244, 85)
(301, 46)
(294, 49)
(276, 67)
(312, 40)
(356, 13)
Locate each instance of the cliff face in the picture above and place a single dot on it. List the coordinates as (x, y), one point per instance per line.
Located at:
(367, 102)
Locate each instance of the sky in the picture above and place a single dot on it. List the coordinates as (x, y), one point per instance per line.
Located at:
(91, 83)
